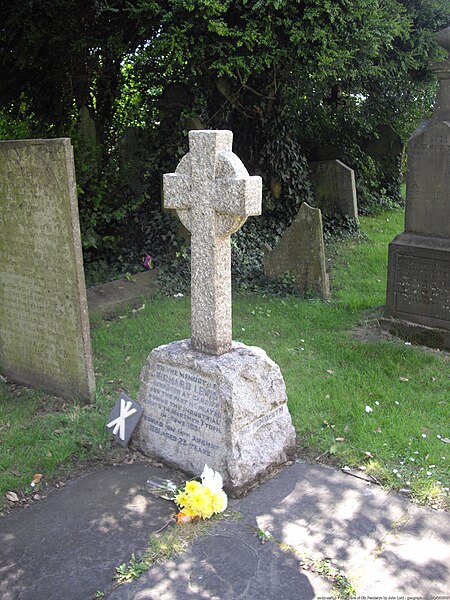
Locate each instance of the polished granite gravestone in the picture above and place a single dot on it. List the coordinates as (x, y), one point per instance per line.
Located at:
(209, 399)
(418, 290)
(44, 325)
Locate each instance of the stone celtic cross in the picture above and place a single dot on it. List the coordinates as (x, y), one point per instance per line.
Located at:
(213, 195)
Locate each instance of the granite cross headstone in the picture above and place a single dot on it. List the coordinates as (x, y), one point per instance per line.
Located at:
(213, 196)
(210, 399)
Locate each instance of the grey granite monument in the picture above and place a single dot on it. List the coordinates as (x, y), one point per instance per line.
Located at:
(418, 290)
(301, 253)
(209, 399)
(334, 188)
(44, 326)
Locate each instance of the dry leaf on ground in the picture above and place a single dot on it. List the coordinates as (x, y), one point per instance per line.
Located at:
(12, 497)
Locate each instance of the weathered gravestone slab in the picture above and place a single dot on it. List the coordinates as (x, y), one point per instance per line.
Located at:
(44, 326)
(301, 253)
(334, 188)
(418, 293)
(387, 152)
(131, 152)
(208, 399)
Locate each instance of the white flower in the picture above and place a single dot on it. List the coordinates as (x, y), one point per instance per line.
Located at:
(424, 435)
(368, 409)
(213, 481)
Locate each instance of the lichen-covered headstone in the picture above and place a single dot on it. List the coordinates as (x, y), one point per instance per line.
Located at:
(209, 399)
(44, 326)
(334, 188)
(301, 254)
(418, 291)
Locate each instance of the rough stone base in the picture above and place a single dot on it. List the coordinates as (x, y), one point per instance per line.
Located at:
(432, 337)
(228, 411)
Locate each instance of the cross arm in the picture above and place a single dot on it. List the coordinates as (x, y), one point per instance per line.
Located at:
(240, 197)
(176, 189)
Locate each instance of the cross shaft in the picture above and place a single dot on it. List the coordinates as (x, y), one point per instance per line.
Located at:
(213, 196)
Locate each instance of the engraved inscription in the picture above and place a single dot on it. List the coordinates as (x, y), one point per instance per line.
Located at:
(423, 287)
(185, 410)
(44, 335)
(428, 192)
(269, 417)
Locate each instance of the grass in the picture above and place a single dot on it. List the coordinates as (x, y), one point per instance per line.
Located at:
(331, 375)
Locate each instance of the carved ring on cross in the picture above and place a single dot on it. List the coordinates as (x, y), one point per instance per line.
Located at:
(229, 167)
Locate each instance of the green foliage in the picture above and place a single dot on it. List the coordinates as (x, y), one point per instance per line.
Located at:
(308, 339)
(127, 572)
(288, 77)
(12, 128)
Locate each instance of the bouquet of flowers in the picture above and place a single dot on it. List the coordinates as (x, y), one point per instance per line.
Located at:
(201, 500)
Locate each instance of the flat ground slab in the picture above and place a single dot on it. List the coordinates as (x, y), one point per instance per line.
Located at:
(228, 563)
(384, 544)
(68, 545)
(109, 297)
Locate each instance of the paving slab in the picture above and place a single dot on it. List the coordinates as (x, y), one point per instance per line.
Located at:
(108, 298)
(66, 546)
(414, 558)
(325, 510)
(383, 543)
(228, 563)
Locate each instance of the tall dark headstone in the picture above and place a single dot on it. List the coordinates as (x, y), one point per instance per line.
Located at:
(418, 292)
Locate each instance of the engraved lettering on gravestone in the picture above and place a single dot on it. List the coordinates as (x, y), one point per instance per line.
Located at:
(44, 328)
(428, 194)
(255, 425)
(423, 286)
(123, 419)
(184, 405)
(213, 195)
